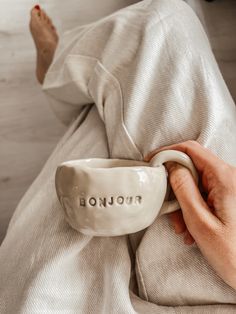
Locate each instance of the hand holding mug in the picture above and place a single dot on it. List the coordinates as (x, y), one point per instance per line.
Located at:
(211, 222)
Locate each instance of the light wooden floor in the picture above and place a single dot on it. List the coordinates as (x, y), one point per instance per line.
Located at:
(28, 129)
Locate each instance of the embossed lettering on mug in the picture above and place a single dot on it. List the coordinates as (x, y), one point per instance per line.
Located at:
(110, 201)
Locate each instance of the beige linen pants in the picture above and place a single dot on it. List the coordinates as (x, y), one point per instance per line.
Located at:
(133, 81)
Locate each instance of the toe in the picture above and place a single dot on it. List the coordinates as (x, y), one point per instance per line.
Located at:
(36, 9)
(44, 15)
(49, 21)
(34, 12)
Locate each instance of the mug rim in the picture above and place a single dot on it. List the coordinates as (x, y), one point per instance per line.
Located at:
(106, 163)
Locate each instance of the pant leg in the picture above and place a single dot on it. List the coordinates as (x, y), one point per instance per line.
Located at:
(151, 73)
(150, 70)
(153, 77)
(46, 266)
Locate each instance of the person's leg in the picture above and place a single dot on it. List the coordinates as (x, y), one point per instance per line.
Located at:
(46, 266)
(153, 85)
(150, 71)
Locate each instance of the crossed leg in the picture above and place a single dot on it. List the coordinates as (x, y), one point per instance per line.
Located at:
(152, 76)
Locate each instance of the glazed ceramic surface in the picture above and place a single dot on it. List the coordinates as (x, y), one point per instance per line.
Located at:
(111, 197)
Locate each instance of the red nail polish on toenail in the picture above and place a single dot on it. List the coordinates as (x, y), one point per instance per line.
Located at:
(37, 7)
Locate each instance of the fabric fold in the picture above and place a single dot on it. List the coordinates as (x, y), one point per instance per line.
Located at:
(133, 81)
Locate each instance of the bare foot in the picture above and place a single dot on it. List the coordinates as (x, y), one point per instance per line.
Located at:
(45, 39)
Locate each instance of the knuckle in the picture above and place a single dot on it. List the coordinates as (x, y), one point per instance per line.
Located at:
(223, 173)
(210, 233)
(224, 168)
(192, 143)
(215, 230)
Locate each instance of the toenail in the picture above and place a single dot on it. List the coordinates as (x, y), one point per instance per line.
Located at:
(37, 7)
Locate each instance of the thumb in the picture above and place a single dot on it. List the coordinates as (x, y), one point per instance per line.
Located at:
(197, 215)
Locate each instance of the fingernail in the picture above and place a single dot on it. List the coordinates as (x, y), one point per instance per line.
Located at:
(37, 7)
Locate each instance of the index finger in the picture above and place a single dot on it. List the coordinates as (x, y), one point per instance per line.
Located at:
(201, 156)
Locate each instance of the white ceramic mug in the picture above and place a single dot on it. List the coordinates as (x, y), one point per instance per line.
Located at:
(112, 197)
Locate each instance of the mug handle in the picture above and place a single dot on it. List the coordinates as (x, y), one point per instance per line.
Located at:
(181, 158)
